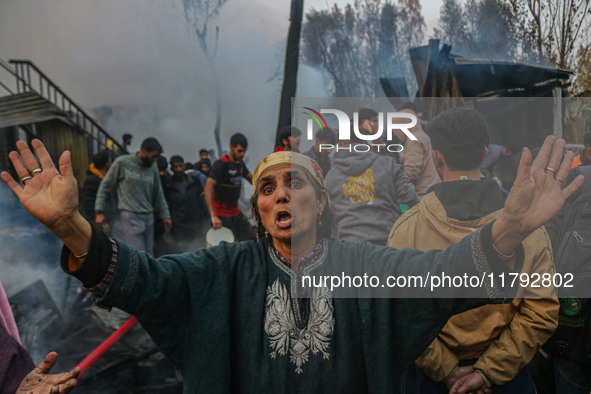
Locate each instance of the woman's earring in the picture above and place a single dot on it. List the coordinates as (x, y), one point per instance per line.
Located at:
(266, 233)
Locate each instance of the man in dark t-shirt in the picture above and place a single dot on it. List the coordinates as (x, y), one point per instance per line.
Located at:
(222, 190)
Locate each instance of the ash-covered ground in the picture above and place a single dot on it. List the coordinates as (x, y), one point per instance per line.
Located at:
(54, 313)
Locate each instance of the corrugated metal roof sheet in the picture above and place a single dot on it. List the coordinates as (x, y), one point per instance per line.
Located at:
(485, 78)
(440, 73)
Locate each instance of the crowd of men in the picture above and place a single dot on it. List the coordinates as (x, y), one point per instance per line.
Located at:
(442, 187)
(137, 198)
(166, 211)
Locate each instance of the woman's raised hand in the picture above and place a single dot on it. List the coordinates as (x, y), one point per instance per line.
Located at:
(51, 196)
(537, 194)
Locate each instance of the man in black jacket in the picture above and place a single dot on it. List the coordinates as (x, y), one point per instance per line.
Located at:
(94, 175)
(185, 197)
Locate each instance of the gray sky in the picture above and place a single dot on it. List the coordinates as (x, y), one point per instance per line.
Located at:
(141, 52)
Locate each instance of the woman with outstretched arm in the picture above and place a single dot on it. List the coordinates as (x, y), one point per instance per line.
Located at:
(237, 318)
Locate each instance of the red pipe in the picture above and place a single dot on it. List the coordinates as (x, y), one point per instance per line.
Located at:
(106, 345)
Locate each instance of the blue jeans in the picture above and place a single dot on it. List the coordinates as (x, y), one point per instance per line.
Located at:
(572, 377)
(417, 382)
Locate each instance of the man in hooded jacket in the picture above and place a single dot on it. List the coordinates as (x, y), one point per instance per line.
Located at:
(366, 190)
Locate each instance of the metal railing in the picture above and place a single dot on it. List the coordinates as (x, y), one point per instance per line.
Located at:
(9, 69)
(29, 78)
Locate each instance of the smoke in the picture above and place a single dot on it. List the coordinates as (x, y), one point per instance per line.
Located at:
(29, 253)
(141, 57)
(139, 64)
(312, 82)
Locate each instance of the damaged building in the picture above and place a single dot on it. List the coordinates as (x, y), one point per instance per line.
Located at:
(503, 92)
(521, 103)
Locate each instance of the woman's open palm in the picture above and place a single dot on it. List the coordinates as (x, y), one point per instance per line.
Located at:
(51, 196)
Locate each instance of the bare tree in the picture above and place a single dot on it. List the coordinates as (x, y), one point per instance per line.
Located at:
(559, 31)
(357, 45)
(548, 32)
(329, 41)
(479, 28)
(582, 85)
(569, 27)
(199, 14)
(452, 24)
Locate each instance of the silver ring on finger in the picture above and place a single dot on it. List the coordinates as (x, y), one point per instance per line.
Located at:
(552, 170)
(36, 171)
(559, 179)
(26, 178)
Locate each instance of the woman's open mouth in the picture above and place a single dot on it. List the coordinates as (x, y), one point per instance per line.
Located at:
(283, 219)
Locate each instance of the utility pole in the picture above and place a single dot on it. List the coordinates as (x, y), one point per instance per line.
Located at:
(290, 74)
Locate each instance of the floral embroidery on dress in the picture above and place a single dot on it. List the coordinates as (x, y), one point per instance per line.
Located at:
(284, 335)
